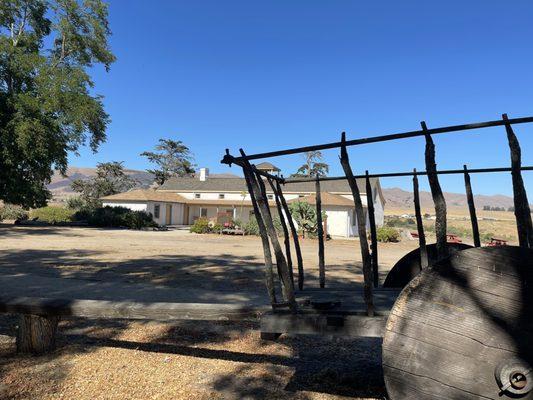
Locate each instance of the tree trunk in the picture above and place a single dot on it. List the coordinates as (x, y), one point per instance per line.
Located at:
(36, 334)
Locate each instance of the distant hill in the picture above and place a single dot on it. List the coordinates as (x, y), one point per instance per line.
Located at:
(61, 189)
(399, 198)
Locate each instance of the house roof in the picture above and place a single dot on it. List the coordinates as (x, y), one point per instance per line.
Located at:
(239, 185)
(328, 199)
(146, 195)
(266, 166)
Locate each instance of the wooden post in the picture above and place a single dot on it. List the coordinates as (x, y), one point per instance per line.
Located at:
(36, 334)
(438, 197)
(294, 233)
(522, 211)
(269, 270)
(373, 231)
(361, 225)
(320, 231)
(262, 202)
(472, 208)
(424, 261)
(286, 237)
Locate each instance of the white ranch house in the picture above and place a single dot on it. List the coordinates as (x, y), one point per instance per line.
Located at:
(180, 201)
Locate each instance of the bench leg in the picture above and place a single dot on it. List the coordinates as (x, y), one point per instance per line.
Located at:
(270, 336)
(36, 334)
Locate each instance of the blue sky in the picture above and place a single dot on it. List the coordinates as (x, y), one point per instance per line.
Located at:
(265, 75)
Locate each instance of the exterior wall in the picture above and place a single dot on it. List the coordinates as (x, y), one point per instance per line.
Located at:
(176, 213)
(227, 196)
(337, 220)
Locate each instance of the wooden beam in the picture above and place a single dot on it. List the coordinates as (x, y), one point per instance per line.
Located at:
(320, 232)
(157, 311)
(376, 139)
(424, 260)
(286, 237)
(373, 230)
(269, 270)
(294, 233)
(472, 208)
(438, 196)
(522, 211)
(361, 225)
(400, 174)
(262, 202)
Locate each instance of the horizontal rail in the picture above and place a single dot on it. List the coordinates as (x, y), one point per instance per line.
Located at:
(228, 159)
(412, 173)
(157, 311)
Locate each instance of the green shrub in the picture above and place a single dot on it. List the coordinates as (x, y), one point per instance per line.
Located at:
(399, 222)
(53, 214)
(116, 217)
(201, 225)
(251, 227)
(386, 234)
(75, 203)
(11, 211)
(216, 228)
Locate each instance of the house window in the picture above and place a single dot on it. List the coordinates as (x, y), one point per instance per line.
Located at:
(270, 196)
(203, 212)
(197, 195)
(221, 195)
(157, 210)
(301, 195)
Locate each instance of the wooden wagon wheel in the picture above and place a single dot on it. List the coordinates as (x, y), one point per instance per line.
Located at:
(463, 329)
(409, 265)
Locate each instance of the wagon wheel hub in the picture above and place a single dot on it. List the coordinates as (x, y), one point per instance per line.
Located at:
(513, 376)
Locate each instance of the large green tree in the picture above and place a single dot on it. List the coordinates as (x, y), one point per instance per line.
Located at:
(47, 104)
(171, 158)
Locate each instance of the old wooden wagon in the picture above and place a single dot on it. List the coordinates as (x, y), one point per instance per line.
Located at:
(455, 319)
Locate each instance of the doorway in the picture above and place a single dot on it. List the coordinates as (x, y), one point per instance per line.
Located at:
(168, 216)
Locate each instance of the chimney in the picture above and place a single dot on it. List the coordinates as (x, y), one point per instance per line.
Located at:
(204, 174)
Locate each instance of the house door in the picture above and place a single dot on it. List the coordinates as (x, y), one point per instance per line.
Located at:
(168, 219)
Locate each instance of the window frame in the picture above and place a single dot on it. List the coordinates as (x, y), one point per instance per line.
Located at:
(157, 210)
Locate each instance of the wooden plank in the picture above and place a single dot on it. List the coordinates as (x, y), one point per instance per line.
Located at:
(522, 211)
(294, 233)
(269, 270)
(456, 322)
(317, 324)
(471, 208)
(361, 226)
(424, 261)
(286, 237)
(320, 232)
(262, 202)
(158, 311)
(438, 196)
(373, 231)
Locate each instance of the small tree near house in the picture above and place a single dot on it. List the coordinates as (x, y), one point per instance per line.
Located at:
(110, 179)
(171, 158)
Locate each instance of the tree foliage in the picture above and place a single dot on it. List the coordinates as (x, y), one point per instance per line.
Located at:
(313, 166)
(46, 105)
(110, 179)
(172, 158)
(305, 216)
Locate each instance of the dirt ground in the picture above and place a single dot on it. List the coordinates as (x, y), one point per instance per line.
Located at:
(104, 359)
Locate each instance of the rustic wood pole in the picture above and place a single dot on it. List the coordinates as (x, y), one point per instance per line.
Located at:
(269, 270)
(294, 233)
(424, 261)
(286, 237)
(522, 211)
(472, 208)
(361, 226)
(373, 231)
(262, 202)
(438, 197)
(320, 231)
(36, 334)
